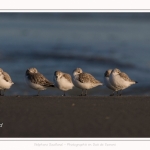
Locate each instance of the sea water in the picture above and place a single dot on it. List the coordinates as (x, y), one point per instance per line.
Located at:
(94, 42)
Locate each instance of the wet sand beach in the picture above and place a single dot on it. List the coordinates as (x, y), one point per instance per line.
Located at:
(91, 116)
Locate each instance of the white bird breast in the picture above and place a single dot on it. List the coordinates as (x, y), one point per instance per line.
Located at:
(63, 84)
(4, 84)
(34, 85)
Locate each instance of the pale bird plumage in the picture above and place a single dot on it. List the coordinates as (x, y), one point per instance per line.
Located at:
(63, 81)
(120, 80)
(107, 81)
(37, 81)
(5, 81)
(84, 80)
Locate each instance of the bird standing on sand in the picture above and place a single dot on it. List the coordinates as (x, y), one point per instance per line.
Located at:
(107, 81)
(120, 80)
(84, 80)
(5, 81)
(63, 81)
(37, 81)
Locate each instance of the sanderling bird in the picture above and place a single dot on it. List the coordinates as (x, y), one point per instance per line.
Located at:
(5, 81)
(120, 80)
(107, 81)
(84, 80)
(63, 81)
(37, 81)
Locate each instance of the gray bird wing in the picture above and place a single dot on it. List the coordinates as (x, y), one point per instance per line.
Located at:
(38, 78)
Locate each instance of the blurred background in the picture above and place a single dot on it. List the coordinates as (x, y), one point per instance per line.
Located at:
(94, 42)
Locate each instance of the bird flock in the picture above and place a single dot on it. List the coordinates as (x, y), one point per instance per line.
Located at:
(114, 79)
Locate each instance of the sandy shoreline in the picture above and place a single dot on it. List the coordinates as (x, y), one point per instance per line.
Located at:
(91, 116)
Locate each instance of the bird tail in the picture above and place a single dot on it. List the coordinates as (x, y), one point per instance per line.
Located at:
(51, 85)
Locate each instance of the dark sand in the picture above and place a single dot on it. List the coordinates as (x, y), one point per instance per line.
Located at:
(31, 116)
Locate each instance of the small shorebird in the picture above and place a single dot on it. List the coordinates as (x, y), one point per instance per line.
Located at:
(107, 81)
(5, 81)
(63, 81)
(84, 80)
(37, 81)
(120, 80)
